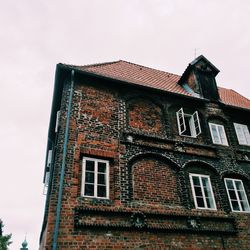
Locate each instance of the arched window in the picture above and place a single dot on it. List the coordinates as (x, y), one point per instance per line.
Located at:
(237, 195)
(203, 185)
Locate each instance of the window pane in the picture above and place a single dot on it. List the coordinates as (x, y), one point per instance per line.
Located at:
(90, 165)
(89, 177)
(188, 122)
(235, 205)
(210, 202)
(200, 202)
(241, 195)
(238, 185)
(205, 182)
(229, 184)
(247, 135)
(245, 206)
(207, 192)
(215, 134)
(232, 195)
(198, 191)
(101, 179)
(101, 167)
(101, 191)
(222, 135)
(240, 134)
(196, 180)
(182, 126)
(89, 190)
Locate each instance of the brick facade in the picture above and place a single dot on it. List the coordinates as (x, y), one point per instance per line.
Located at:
(150, 203)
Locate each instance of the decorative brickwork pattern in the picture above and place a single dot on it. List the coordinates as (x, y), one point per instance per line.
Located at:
(151, 205)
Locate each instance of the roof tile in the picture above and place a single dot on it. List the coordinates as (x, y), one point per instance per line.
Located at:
(141, 75)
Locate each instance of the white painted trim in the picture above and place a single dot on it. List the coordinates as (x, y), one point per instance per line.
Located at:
(58, 114)
(237, 196)
(194, 118)
(96, 161)
(245, 133)
(196, 115)
(202, 190)
(180, 116)
(219, 135)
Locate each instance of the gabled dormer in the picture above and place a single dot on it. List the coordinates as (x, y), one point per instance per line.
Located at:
(199, 79)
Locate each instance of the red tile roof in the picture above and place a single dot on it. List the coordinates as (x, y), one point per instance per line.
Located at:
(231, 97)
(141, 75)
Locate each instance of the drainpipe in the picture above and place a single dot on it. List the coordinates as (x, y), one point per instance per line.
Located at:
(66, 137)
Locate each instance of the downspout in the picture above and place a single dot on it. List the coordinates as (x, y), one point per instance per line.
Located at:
(66, 137)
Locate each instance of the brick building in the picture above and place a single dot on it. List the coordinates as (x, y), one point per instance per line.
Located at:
(139, 158)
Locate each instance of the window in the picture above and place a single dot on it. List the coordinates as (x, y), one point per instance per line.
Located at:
(58, 114)
(47, 172)
(237, 195)
(242, 134)
(218, 134)
(188, 125)
(95, 178)
(202, 191)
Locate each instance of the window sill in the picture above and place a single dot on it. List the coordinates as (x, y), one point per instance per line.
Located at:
(95, 200)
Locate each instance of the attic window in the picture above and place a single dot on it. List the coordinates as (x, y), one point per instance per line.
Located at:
(189, 90)
(188, 124)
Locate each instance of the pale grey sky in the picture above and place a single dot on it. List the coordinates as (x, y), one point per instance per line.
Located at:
(35, 35)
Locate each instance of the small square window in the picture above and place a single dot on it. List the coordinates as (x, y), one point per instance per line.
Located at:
(237, 195)
(218, 134)
(202, 191)
(95, 178)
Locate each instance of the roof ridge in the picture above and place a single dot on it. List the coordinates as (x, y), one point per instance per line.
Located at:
(233, 91)
(99, 64)
(113, 62)
(239, 94)
(149, 68)
(89, 65)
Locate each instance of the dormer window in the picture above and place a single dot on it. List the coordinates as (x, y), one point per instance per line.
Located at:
(199, 76)
(188, 124)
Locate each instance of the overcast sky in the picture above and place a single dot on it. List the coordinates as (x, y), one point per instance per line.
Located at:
(36, 35)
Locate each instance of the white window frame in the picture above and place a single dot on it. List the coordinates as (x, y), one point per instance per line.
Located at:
(96, 161)
(194, 123)
(219, 135)
(242, 133)
(47, 172)
(237, 195)
(58, 114)
(191, 175)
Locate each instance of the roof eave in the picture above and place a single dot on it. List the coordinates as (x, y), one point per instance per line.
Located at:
(134, 84)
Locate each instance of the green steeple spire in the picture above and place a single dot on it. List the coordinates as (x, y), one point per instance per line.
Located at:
(24, 245)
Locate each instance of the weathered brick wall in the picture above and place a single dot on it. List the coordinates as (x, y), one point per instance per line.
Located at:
(149, 167)
(154, 182)
(145, 116)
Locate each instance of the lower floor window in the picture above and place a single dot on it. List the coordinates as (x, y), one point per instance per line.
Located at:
(237, 195)
(202, 191)
(95, 178)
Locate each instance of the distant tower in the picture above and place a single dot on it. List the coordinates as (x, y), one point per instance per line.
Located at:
(24, 245)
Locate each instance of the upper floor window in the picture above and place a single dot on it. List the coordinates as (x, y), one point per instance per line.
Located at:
(218, 134)
(242, 134)
(188, 124)
(95, 178)
(237, 195)
(202, 191)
